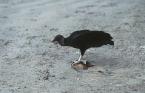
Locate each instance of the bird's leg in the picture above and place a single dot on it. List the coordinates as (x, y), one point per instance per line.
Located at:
(82, 54)
(77, 61)
(80, 58)
(83, 60)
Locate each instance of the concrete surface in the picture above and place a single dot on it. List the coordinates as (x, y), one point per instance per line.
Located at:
(30, 63)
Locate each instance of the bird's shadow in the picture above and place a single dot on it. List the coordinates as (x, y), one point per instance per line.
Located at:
(102, 61)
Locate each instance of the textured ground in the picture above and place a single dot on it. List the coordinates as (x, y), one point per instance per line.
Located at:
(30, 63)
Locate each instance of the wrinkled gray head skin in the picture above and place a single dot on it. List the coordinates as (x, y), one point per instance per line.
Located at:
(59, 39)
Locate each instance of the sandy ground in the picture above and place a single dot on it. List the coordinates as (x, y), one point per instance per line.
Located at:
(30, 63)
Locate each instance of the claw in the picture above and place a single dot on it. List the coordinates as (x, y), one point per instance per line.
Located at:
(81, 61)
(76, 61)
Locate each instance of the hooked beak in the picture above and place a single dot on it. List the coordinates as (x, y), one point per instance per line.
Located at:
(55, 42)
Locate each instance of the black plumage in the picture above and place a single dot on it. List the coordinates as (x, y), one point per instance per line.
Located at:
(85, 39)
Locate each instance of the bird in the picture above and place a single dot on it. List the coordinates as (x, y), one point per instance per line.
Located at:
(83, 40)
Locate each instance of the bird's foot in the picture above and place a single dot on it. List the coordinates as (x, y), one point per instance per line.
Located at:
(79, 61)
(75, 62)
(81, 65)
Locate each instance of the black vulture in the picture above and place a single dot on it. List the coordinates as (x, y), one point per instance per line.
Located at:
(83, 40)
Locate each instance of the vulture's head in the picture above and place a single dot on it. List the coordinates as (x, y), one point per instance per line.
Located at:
(59, 39)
